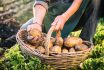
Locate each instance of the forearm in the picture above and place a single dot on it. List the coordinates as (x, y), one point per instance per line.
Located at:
(39, 12)
(72, 9)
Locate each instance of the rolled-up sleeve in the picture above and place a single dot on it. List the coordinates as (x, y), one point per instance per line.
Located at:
(44, 3)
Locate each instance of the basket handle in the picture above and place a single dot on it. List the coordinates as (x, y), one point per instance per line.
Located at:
(58, 34)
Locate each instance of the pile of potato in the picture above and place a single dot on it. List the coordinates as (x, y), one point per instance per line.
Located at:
(57, 45)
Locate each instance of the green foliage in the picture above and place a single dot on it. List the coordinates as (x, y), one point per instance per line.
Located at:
(103, 43)
(97, 52)
(99, 36)
(96, 60)
(1, 50)
(76, 33)
(94, 64)
(14, 60)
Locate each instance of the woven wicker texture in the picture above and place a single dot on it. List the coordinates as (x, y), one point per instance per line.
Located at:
(58, 61)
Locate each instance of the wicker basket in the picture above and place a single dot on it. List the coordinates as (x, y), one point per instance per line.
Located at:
(58, 61)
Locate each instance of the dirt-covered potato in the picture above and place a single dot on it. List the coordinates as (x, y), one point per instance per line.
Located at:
(36, 40)
(81, 47)
(64, 50)
(35, 33)
(71, 50)
(55, 49)
(41, 49)
(31, 46)
(53, 40)
(59, 41)
(36, 37)
(72, 41)
(44, 34)
(30, 39)
(50, 44)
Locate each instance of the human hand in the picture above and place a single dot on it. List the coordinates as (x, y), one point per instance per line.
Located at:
(59, 22)
(34, 26)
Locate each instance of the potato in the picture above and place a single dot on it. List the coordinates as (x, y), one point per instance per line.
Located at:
(36, 40)
(44, 34)
(31, 46)
(72, 41)
(50, 44)
(35, 33)
(59, 41)
(53, 40)
(81, 47)
(64, 50)
(55, 49)
(31, 39)
(34, 37)
(41, 49)
(71, 50)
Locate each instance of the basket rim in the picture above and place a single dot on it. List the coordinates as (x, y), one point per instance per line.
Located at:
(39, 54)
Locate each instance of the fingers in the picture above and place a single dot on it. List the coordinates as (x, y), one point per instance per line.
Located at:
(28, 28)
(58, 23)
(55, 22)
(57, 26)
(34, 26)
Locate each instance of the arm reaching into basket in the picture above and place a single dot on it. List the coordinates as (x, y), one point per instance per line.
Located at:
(39, 12)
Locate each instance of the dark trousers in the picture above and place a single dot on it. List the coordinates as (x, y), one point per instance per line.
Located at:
(91, 21)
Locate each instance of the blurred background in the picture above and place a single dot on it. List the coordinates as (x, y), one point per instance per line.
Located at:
(13, 13)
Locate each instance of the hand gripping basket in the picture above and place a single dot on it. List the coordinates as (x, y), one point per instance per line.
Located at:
(58, 61)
